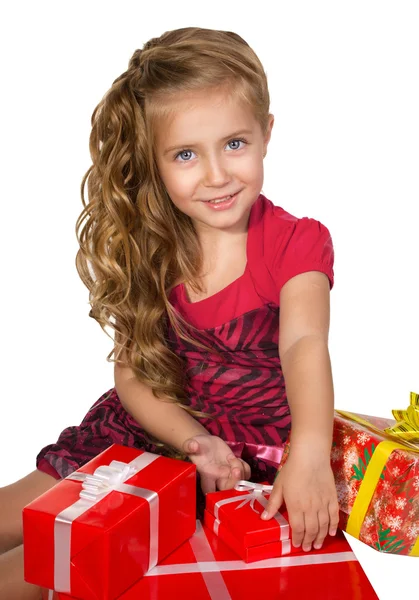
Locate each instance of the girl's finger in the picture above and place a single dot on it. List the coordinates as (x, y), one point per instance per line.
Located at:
(311, 528)
(228, 482)
(236, 463)
(246, 470)
(207, 484)
(296, 521)
(333, 517)
(323, 521)
(274, 504)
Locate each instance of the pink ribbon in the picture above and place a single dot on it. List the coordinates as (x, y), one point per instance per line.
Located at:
(106, 479)
(272, 454)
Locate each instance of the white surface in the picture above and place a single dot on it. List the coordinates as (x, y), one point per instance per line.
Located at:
(345, 94)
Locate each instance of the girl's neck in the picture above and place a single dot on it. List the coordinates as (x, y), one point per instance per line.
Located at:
(222, 265)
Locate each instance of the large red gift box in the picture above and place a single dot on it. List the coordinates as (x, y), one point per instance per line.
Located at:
(98, 531)
(235, 516)
(376, 474)
(204, 568)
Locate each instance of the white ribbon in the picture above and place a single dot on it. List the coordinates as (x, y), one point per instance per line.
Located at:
(255, 491)
(285, 544)
(240, 565)
(105, 479)
(203, 553)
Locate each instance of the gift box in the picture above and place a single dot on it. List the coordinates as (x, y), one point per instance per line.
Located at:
(204, 568)
(235, 516)
(250, 553)
(375, 462)
(100, 529)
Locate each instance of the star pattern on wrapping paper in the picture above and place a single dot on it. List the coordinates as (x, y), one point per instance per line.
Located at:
(363, 438)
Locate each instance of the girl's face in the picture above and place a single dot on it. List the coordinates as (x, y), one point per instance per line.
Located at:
(213, 147)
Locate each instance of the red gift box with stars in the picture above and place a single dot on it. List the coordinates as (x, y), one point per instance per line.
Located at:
(375, 462)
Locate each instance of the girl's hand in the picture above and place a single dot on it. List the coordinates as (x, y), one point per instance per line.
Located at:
(307, 485)
(216, 463)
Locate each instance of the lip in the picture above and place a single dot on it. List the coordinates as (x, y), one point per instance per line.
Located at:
(220, 197)
(226, 205)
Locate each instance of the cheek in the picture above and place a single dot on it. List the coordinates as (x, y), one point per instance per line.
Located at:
(253, 174)
(177, 185)
(180, 179)
(251, 167)
(180, 188)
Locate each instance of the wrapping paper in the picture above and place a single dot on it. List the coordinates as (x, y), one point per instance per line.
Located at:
(234, 515)
(99, 530)
(376, 473)
(204, 568)
(251, 553)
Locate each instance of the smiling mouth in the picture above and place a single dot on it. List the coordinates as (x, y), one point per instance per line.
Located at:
(220, 200)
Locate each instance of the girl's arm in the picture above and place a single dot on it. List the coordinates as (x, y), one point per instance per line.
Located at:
(306, 482)
(305, 361)
(166, 421)
(309, 386)
(171, 424)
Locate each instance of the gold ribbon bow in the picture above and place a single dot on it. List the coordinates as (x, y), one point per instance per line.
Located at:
(404, 435)
(407, 426)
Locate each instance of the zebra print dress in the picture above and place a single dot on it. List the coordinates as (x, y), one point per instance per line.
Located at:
(241, 386)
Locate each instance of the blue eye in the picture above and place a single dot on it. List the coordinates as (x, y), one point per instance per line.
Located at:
(186, 150)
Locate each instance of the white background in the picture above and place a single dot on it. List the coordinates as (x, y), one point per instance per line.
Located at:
(344, 87)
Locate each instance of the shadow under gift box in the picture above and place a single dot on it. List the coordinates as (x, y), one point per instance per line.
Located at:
(97, 548)
(233, 516)
(204, 568)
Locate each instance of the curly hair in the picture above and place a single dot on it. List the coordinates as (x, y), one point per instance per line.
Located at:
(135, 244)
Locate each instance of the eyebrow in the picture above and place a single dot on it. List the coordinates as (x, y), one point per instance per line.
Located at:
(189, 145)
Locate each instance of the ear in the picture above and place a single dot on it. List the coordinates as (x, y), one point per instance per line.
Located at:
(268, 133)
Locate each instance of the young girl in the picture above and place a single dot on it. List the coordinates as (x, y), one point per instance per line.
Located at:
(198, 272)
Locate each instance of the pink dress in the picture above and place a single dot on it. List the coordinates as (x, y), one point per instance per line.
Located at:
(243, 389)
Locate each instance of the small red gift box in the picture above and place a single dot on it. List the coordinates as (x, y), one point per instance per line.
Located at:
(98, 531)
(238, 512)
(251, 553)
(204, 568)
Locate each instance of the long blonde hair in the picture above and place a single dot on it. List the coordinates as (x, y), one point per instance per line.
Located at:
(134, 243)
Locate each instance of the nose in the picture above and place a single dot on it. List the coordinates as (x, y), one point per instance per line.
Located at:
(216, 173)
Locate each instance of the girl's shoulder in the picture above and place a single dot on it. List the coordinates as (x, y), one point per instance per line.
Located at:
(269, 210)
(275, 224)
(289, 244)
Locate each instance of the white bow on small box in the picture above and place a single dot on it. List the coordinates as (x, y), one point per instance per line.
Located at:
(255, 491)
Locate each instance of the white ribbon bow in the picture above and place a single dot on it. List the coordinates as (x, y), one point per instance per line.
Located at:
(258, 491)
(105, 478)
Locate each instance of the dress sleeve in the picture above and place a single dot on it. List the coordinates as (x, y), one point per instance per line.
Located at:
(305, 246)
